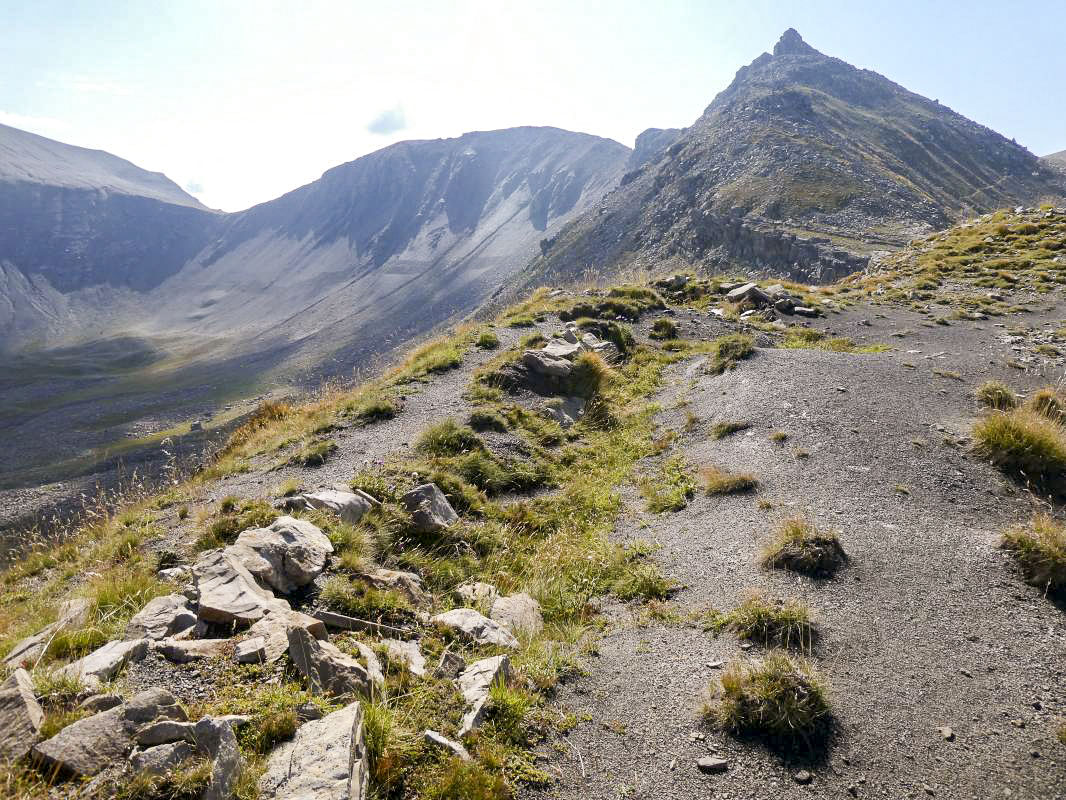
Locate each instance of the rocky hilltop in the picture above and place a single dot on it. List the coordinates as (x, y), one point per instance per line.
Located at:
(803, 166)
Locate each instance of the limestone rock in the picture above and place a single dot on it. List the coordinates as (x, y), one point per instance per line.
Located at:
(751, 293)
(546, 364)
(474, 685)
(328, 670)
(712, 765)
(273, 629)
(429, 508)
(72, 614)
(105, 662)
(162, 617)
(558, 348)
(162, 758)
(326, 760)
(475, 626)
(407, 654)
(99, 702)
(165, 731)
(349, 506)
(89, 745)
(477, 593)
(228, 592)
(20, 716)
(286, 555)
(435, 739)
(407, 583)
(181, 651)
(518, 612)
(566, 411)
(251, 651)
(215, 737)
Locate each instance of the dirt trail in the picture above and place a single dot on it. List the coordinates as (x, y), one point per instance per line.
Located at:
(929, 625)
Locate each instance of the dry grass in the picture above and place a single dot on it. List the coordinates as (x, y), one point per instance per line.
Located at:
(1040, 550)
(1048, 402)
(996, 395)
(799, 546)
(719, 481)
(1026, 445)
(772, 621)
(723, 429)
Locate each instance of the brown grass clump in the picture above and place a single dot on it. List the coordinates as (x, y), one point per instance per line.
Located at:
(996, 395)
(1024, 444)
(719, 481)
(1040, 550)
(779, 696)
(1048, 402)
(799, 546)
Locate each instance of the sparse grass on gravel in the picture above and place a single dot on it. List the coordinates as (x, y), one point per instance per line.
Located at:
(1025, 445)
(779, 696)
(663, 328)
(487, 340)
(996, 395)
(1040, 550)
(771, 621)
(723, 429)
(672, 489)
(729, 350)
(314, 454)
(799, 546)
(1048, 402)
(719, 481)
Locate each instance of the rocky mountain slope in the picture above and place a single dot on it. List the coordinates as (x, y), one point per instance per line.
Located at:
(565, 553)
(1059, 158)
(803, 166)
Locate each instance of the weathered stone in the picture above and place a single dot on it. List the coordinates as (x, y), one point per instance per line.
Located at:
(162, 758)
(477, 593)
(570, 336)
(99, 702)
(711, 764)
(407, 583)
(429, 508)
(475, 626)
(558, 348)
(566, 410)
(287, 554)
(326, 760)
(474, 685)
(349, 506)
(518, 612)
(406, 654)
(328, 670)
(20, 716)
(105, 662)
(450, 666)
(804, 311)
(89, 745)
(749, 292)
(72, 614)
(803, 777)
(228, 592)
(274, 630)
(435, 739)
(181, 651)
(251, 651)
(165, 731)
(540, 362)
(162, 617)
(175, 574)
(215, 737)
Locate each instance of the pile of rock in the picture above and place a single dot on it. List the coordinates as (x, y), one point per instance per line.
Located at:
(556, 358)
(760, 301)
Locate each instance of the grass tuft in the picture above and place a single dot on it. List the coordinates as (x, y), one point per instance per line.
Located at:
(728, 351)
(314, 454)
(719, 481)
(447, 438)
(723, 429)
(1048, 402)
(1025, 445)
(772, 621)
(996, 395)
(799, 546)
(672, 489)
(1040, 550)
(663, 328)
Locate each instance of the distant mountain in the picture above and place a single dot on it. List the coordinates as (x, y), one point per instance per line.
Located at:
(803, 166)
(1059, 158)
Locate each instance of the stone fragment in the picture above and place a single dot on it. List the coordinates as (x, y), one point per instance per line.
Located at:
(162, 617)
(330, 671)
(165, 731)
(474, 685)
(712, 765)
(474, 626)
(72, 614)
(251, 651)
(435, 739)
(749, 292)
(540, 362)
(274, 630)
(804, 311)
(105, 662)
(566, 410)
(325, 760)
(228, 592)
(558, 348)
(20, 716)
(518, 612)
(946, 733)
(99, 702)
(162, 758)
(407, 654)
(349, 506)
(215, 737)
(429, 508)
(407, 583)
(181, 651)
(477, 593)
(89, 745)
(450, 666)
(803, 777)
(175, 574)
(287, 554)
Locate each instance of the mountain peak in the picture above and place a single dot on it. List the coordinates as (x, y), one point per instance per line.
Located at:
(792, 44)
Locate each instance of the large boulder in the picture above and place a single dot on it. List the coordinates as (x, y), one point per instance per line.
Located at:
(518, 612)
(330, 671)
(20, 716)
(162, 617)
(72, 614)
(87, 746)
(228, 592)
(474, 684)
(326, 760)
(429, 508)
(475, 627)
(286, 555)
(349, 506)
(105, 662)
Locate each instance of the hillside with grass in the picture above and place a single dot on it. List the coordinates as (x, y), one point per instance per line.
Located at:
(691, 536)
(804, 167)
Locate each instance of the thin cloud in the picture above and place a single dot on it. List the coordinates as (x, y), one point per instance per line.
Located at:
(388, 122)
(194, 187)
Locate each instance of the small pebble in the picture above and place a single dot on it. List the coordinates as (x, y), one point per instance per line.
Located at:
(803, 777)
(711, 765)
(947, 733)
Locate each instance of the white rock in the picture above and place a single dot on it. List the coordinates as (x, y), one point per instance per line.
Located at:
(435, 739)
(350, 507)
(546, 364)
(20, 716)
(286, 555)
(406, 653)
(518, 612)
(162, 758)
(475, 626)
(161, 617)
(182, 651)
(104, 663)
(408, 583)
(330, 671)
(474, 684)
(477, 593)
(228, 592)
(273, 629)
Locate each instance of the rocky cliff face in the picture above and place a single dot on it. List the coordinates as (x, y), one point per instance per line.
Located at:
(803, 166)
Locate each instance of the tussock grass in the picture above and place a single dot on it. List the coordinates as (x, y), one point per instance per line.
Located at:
(487, 340)
(589, 376)
(615, 332)
(663, 328)
(723, 429)
(729, 350)
(1040, 550)
(799, 546)
(719, 481)
(487, 419)
(772, 621)
(778, 437)
(1048, 402)
(448, 438)
(1024, 444)
(996, 395)
(357, 599)
(672, 489)
(314, 454)
(799, 338)
(779, 696)
(373, 408)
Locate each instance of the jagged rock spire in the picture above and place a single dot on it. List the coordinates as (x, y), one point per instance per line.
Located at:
(792, 44)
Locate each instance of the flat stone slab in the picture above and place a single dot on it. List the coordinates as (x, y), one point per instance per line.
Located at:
(20, 716)
(330, 671)
(518, 613)
(228, 592)
(162, 758)
(181, 651)
(349, 506)
(325, 760)
(105, 662)
(474, 626)
(407, 654)
(474, 684)
(273, 630)
(162, 617)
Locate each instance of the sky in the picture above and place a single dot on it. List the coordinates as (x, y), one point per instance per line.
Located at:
(239, 102)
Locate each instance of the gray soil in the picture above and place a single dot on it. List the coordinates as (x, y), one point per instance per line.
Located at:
(928, 625)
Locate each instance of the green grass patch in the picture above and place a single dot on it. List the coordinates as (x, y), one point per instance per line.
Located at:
(672, 489)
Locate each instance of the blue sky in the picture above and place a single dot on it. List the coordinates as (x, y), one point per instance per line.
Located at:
(242, 101)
